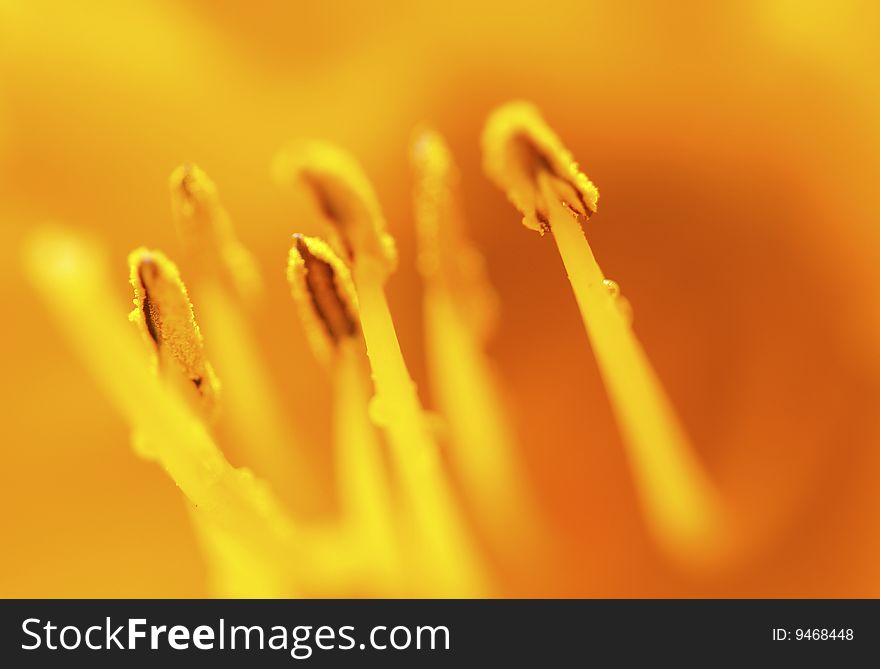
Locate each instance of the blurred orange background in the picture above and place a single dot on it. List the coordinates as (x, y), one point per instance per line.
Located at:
(736, 146)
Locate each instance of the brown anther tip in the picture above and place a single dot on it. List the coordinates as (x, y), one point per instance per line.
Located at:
(535, 161)
(148, 270)
(301, 246)
(321, 286)
(343, 198)
(147, 266)
(529, 162)
(186, 180)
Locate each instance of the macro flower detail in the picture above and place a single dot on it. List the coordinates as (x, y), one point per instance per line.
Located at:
(321, 286)
(343, 196)
(165, 317)
(529, 162)
(207, 233)
(402, 527)
(680, 502)
(706, 428)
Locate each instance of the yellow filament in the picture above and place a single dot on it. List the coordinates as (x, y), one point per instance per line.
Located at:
(527, 160)
(364, 483)
(679, 500)
(267, 441)
(441, 544)
(228, 279)
(459, 309)
(164, 315)
(234, 568)
(323, 292)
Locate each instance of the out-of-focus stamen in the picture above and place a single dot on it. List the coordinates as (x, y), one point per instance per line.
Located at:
(343, 197)
(460, 308)
(207, 232)
(223, 288)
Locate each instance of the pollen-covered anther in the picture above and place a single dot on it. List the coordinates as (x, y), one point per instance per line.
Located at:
(164, 315)
(343, 198)
(322, 288)
(529, 163)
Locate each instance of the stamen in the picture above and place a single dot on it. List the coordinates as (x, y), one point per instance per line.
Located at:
(322, 288)
(460, 308)
(323, 291)
(438, 217)
(226, 284)
(348, 205)
(344, 198)
(365, 486)
(163, 312)
(518, 146)
(207, 232)
(73, 281)
(448, 260)
(682, 506)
